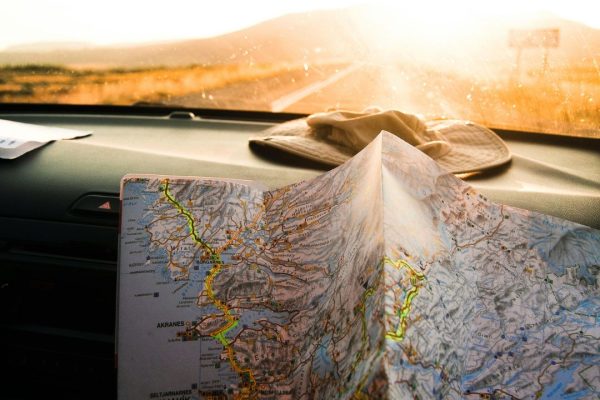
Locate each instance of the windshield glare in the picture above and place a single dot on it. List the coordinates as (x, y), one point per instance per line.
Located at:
(530, 66)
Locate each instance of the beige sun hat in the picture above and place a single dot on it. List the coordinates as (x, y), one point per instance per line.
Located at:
(333, 137)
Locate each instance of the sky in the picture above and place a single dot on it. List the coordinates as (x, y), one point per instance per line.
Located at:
(110, 22)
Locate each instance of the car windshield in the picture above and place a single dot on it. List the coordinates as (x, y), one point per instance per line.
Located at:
(522, 65)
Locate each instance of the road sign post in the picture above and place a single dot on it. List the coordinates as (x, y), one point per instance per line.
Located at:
(533, 38)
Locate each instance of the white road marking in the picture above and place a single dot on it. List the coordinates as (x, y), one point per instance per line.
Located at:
(285, 101)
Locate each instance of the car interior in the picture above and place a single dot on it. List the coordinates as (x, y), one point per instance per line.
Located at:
(59, 209)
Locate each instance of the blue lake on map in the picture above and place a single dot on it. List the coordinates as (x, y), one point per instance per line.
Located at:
(322, 363)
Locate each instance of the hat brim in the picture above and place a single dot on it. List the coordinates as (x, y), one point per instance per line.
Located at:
(472, 147)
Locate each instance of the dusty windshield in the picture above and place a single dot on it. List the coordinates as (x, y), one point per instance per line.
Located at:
(524, 65)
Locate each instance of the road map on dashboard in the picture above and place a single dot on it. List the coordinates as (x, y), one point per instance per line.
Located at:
(386, 277)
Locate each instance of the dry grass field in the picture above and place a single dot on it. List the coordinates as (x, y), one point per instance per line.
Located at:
(56, 84)
(563, 100)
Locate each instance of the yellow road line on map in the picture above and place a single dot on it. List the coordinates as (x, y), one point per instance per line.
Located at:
(215, 257)
(416, 278)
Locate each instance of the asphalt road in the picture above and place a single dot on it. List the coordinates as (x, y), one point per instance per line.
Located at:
(354, 86)
(422, 91)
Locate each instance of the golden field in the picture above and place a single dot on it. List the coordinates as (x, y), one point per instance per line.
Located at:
(55, 84)
(563, 100)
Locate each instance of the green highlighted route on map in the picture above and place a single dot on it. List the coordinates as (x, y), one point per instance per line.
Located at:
(417, 282)
(215, 258)
(231, 322)
(190, 220)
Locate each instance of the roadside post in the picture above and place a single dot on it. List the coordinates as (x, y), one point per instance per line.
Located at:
(532, 38)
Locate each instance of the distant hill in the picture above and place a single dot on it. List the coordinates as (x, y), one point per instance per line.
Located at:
(41, 47)
(357, 33)
(293, 38)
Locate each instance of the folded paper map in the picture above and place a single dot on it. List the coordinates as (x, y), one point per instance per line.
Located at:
(386, 277)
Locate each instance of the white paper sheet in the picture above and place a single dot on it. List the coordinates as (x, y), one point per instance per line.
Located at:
(18, 138)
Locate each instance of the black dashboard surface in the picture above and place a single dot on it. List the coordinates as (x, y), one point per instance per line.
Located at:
(554, 175)
(58, 261)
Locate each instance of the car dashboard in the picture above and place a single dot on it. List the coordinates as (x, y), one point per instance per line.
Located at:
(59, 220)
